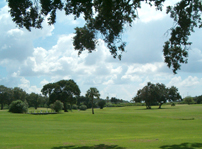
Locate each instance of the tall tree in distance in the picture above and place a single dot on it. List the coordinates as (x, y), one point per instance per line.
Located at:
(19, 94)
(6, 96)
(145, 94)
(156, 93)
(108, 18)
(63, 90)
(173, 94)
(161, 94)
(3, 96)
(91, 93)
(35, 100)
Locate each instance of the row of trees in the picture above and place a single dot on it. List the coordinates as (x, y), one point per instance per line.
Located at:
(7, 95)
(158, 93)
(116, 100)
(193, 100)
(67, 91)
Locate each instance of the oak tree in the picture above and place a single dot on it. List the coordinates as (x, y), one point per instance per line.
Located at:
(157, 93)
(63, 90)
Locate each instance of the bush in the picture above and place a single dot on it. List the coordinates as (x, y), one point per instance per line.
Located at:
(188, 100)
(75, 107)
(109, 104)
(57, 106)
(140, 104)
(51, 106)
(83, 107)
(18, 106)
(101, 104)
(172, 104)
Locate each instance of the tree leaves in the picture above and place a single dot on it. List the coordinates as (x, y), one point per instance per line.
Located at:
(156, 93)
(63, 90)
(108, 18)
(186, 15)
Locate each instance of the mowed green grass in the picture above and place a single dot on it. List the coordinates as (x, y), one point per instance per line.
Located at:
(178, 127)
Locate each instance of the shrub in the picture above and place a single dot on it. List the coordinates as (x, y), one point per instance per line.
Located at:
(18, 106)
(120, 105)
(172, 104)
(26, 103)
(57, 106)
(83, 107)
(101, 104)
(75, 107)
(140, 104)
(188, 100)
(51, 106)
(109, 104)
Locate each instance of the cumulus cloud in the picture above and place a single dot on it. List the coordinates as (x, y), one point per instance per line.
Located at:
(190, 81)
(190, 85)
(27, 57)
(25, 84)
(17, 44)
(194, 61)
(145, 42)
(44, 82)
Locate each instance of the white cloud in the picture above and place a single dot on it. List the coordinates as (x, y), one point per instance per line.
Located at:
(25, 85)
(63, 18)
(133, 78)
(147, 14)
(44, 82)
(17, 44)
(142, 63)
(189, 86)
(190, 81)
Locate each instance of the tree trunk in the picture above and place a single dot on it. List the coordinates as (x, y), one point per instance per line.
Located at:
(160, 105)
(92, 106)
(2, 106)
(148, 106)
(65, 107)
(71, 107)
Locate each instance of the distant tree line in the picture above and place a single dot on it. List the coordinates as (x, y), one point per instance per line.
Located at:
(158, 94)
(65, 91)
(192, 100)
(68, 93)
(8, 95)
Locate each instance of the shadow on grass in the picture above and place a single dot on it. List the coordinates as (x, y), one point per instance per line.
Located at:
(183, 146)
(154, 108)
(100, 146)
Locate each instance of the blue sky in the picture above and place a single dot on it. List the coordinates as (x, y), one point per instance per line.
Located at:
(31, 59)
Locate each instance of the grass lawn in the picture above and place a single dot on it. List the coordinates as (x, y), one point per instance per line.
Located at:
(178, 127)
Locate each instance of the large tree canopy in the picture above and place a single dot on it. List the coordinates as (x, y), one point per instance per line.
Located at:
(156, 93)
(108, 18)
(63, 90)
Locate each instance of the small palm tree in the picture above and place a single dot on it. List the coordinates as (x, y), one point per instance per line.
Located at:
(91, 93)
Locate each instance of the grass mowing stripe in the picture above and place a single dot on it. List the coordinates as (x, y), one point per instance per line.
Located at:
(123, 127)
